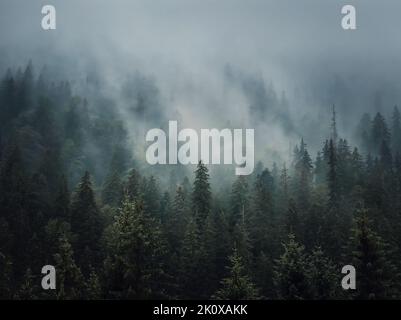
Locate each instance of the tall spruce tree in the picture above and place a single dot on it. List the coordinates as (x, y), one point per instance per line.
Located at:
(70, 281)
(134, 265)
(238, 285)
(377, 275)
(201, 195)
(291, 273)
(86, 224)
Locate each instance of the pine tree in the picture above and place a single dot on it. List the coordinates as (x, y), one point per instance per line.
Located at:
(334, 134)
(112, 189)
(134, 266)
(291, 272)
(237, 286)
(177, 221)
(132, 187)
(62, 202)
(8, 99)
(320, 171)
(262, 217)
(28, 290)
(239, 201)
(70, 282)
(151, 197)
(16, 210)
(201, 195)
(283, 192)
(380, 133)
(217, 248)
(363, 133)
(86, 225)
(302, 176)
(293, 223)
(24, 89)
(165, 208)
(332, 177)
(93, 290)
(191, 278)
(376, 273)
(323, 276)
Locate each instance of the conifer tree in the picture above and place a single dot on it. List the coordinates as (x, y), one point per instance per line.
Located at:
(217, 248)
(70, 282)
(132, 187)
(134, 266)
(86, 224)
(201, 195)
(332, 177)
(62, 202)
(192, 263)
(93, 290)
(302, 176)
(237, 286)
(152, 198)
(262, 217)
(165, 208)
(177, 221)
(380, 133)
(376, 274)
(323, 276)
(239, 201)
(112, 189)
(291, 272)
(28, 289)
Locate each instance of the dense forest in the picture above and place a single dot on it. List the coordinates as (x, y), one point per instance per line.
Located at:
(72, 196)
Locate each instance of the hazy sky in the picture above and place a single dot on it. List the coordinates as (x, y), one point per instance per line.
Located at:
(214, 59)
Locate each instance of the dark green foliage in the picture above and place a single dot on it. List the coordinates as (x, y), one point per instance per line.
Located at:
(131, 231)
(70, 281)
(237, 286)
(291, 274)
(134, 265)
(239, 201)
(86, 224)
(201, 195)
(152, 197)
(112, 189)
(132, 188)
(376, 273)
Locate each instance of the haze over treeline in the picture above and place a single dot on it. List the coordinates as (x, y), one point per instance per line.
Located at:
(76, 192)
(274, 66)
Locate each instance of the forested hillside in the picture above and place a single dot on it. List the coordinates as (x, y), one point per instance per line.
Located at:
(73, 196)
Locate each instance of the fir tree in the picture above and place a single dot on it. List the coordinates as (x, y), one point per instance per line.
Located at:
(323, 276)
(237, 286)
(376, 273)
(201, 195)
(291, 273)
(70, 282)
(86, 224)
(239, 201)
(132, 187)
(134, 265)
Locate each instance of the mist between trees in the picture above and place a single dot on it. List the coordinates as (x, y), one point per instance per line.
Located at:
(73, 195)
